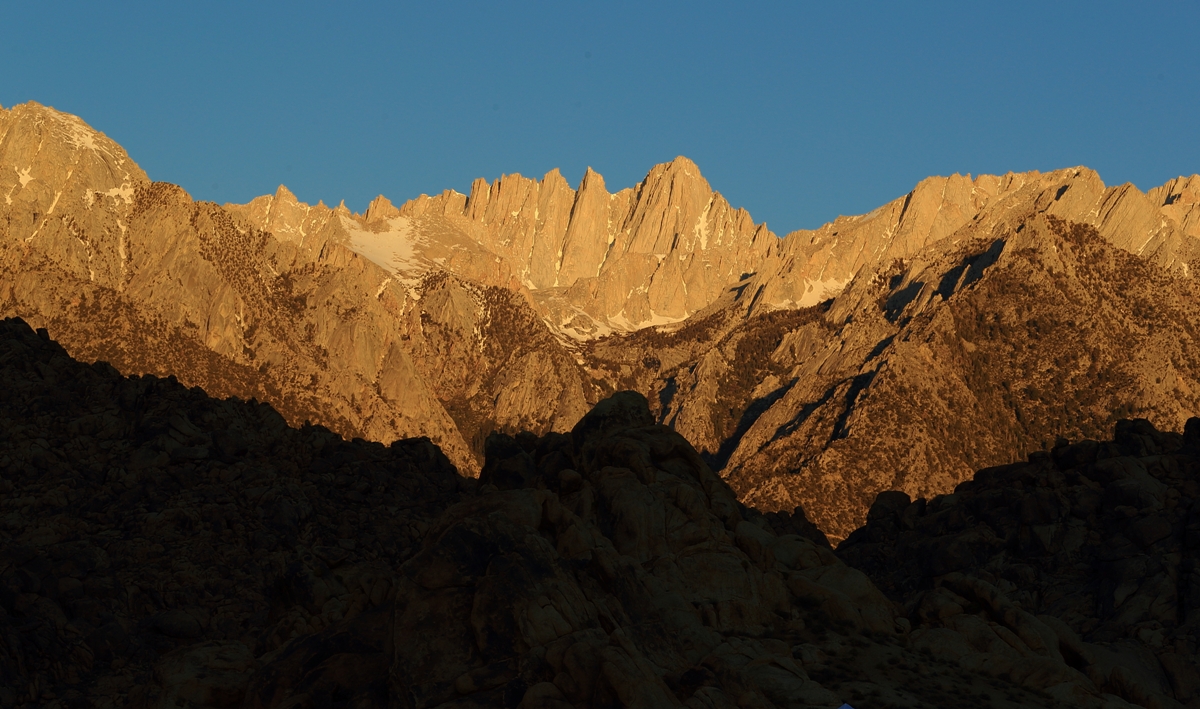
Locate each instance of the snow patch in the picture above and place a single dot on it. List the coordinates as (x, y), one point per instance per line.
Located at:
(383, 285)
(124, 192)
(394, 249)
(656, 319)
(80, 136)
(816, 291)
(24, 177)
(701, 229)
(622, 322)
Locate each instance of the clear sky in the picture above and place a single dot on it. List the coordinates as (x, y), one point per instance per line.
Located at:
(798, 112)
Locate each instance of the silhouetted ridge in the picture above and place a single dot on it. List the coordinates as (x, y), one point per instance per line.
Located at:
(149, 529)
(1102, 538)
(162, 548)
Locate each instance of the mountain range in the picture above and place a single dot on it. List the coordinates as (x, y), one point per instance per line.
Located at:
(959, 326)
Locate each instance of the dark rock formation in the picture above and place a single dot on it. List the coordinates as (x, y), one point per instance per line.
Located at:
(159, 548)
(150, 535)
(1097, 543)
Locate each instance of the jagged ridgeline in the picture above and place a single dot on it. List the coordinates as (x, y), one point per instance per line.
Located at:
(160, 548)
(957, 327)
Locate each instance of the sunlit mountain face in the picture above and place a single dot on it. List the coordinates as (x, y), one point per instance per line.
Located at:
(959, 326)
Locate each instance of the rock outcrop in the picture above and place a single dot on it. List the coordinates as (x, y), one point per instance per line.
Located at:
(598, 262)
(811, 266)
(555, 237)
(959, 361)
(67, 186)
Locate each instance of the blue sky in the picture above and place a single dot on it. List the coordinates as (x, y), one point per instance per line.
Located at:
(798, 112)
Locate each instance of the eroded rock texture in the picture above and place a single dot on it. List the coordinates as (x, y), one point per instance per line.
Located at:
(271, 301)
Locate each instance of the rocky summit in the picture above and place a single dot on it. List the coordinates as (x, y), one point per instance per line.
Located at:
(161, 548)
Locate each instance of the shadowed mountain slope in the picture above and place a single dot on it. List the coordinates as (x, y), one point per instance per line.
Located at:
(1101, 537)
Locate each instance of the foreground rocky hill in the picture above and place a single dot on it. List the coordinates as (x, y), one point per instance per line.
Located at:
(159, 548)
(139, 516)
(1097, 541)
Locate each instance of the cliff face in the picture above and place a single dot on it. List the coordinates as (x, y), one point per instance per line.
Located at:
(68, 192)
(964, 361)
(597, 262)
(813, 265)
